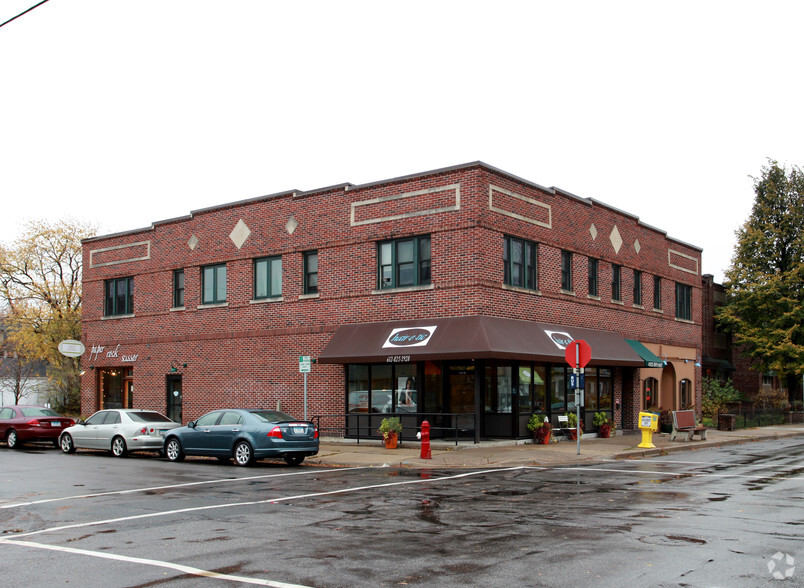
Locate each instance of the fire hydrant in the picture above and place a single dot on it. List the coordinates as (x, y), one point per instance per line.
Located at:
(425, 453)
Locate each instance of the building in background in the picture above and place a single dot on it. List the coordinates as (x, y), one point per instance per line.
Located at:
(449, 294)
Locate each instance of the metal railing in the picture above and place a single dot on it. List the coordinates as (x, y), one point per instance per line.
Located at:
(745, 419)
(361, 425)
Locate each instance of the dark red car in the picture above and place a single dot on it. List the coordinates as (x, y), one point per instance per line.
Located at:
(20, 424)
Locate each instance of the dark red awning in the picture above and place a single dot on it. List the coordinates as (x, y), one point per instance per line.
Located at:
(471, 337)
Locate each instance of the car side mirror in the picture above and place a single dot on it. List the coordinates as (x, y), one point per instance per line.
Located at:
(191, 424)
(82, 422)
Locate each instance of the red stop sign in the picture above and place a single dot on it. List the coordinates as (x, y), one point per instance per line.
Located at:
(578, 353)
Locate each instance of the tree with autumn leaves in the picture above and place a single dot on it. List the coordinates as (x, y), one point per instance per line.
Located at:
(40, 296)
(765, 282)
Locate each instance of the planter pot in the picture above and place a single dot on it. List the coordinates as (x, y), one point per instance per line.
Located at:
(541, 438)
(573, 434)
(604, 431)
(666, 428)
(391, 441)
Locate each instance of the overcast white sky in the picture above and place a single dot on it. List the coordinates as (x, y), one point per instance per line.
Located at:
(123, 113)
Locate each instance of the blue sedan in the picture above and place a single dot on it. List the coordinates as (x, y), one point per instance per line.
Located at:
(245, 435)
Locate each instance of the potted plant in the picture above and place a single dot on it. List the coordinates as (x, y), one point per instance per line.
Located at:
(572, 425)
(605, 426)
(540, 426)
(390, 428)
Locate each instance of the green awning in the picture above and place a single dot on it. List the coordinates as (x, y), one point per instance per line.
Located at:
(651, 360)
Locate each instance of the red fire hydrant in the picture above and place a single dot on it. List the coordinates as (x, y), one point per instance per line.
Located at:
(425, 453)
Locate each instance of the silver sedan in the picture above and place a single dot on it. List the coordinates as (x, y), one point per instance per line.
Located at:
(119, 431)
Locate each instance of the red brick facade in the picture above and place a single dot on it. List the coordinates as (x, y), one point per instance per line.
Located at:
(245, 353)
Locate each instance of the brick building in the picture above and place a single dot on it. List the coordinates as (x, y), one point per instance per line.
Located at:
(451, 291)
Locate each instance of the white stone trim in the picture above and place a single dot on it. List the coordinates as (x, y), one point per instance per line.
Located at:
(452, 187)
(678, 267)
(116, 248)
(533, 221)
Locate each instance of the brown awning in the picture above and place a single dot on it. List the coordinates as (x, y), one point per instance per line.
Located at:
(471, 337)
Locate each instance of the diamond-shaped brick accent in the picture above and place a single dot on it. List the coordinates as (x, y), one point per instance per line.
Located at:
(192, 243)
(239, 234)
(637, 246)
(291, 225)
(616, 239)
(593, 231)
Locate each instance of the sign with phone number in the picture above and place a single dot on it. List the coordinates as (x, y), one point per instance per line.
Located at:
(397, 359)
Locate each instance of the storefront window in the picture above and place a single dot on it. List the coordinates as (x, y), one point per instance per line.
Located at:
(686, 394)
(590, 389)
(381, 388)
(432, 383)
(406, 388)
(605, 388)
(358, 388)
(558, 390)
(539, 388)
(498, 389)
(525, 390)
(650, 389)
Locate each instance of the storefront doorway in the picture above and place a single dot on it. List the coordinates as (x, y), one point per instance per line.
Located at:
(174, 394)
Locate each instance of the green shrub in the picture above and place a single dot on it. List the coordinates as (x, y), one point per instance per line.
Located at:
(716, 396)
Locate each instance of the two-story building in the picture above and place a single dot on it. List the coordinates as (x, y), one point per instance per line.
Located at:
(447, 292)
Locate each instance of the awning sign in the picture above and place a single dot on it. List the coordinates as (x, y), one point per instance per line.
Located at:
(560, 338)
(409, 337)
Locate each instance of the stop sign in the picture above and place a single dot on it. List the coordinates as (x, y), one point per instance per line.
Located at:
(578, 353)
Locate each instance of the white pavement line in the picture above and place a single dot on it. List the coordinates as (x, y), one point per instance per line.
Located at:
(748, 466)
(167, 487)
(156, 563)
(673, 474)
(266, 501)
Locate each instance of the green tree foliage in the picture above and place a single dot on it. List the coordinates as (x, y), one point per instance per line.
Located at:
(717, 396)
(765, 283)
(40, 286)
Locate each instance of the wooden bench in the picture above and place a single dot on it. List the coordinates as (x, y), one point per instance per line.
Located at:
(684, 424)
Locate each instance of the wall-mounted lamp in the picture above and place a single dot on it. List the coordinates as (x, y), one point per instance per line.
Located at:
(175, 365)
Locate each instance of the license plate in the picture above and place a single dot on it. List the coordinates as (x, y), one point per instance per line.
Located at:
(299, 430)
(55, 424)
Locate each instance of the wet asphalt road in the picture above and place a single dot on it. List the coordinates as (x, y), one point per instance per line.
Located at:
(701, 518)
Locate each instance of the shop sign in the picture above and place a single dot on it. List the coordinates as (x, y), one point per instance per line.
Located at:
(560, 338)
(409, 337)
(111, 353)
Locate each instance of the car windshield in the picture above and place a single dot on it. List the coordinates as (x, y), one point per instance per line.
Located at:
(271, 416)
(148, 417)
(34, 411)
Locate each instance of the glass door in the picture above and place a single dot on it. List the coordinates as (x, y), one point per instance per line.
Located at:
(174, 394)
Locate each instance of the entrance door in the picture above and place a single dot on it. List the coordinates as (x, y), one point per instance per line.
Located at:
(174, 398)
(461, 396)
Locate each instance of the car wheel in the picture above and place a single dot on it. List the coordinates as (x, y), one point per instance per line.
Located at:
(294, 460)
(13, 439)
(173, 450)
(119, 447)
(243, 455)
(66, 443)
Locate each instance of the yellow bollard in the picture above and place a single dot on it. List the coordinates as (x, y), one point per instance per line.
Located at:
(649, 424)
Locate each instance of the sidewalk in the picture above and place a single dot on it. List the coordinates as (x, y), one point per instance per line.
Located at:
(372, 453)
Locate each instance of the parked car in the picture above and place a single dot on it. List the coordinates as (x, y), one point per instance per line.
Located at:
(119, 431)
(21, 423)
(245, 435)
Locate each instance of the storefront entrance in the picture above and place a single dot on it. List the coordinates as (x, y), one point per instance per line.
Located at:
(174, 398)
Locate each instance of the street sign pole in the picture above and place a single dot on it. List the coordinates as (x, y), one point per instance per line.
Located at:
(578, 398)
(304, 367)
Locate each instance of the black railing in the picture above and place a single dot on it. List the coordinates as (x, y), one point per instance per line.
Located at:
(745, 419)
(361, 425)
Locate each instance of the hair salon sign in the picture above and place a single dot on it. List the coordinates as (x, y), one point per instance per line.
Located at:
(409, 337)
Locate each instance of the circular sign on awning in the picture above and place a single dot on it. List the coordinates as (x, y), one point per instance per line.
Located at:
(72, 348)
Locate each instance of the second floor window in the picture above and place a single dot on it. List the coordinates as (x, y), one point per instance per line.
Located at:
(657, 293)
(637, 287)
(593, 276)
(519, 258)
(310, 285)
(683, 302)
(566, 271)
(267, 277)
(404, 262)
(119, 296)
(178, 288)
(213, 284)
(616, 282)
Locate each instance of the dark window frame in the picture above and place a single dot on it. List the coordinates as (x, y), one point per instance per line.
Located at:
(310, 278)
(566, 270)
(683, 301)
(657, 293)
(593, 270)
(118, 303)
(178, 288)
(637, 288)
(218, 272)
(390, 270)
(259, 288)
(616, 282)
(527, 270)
